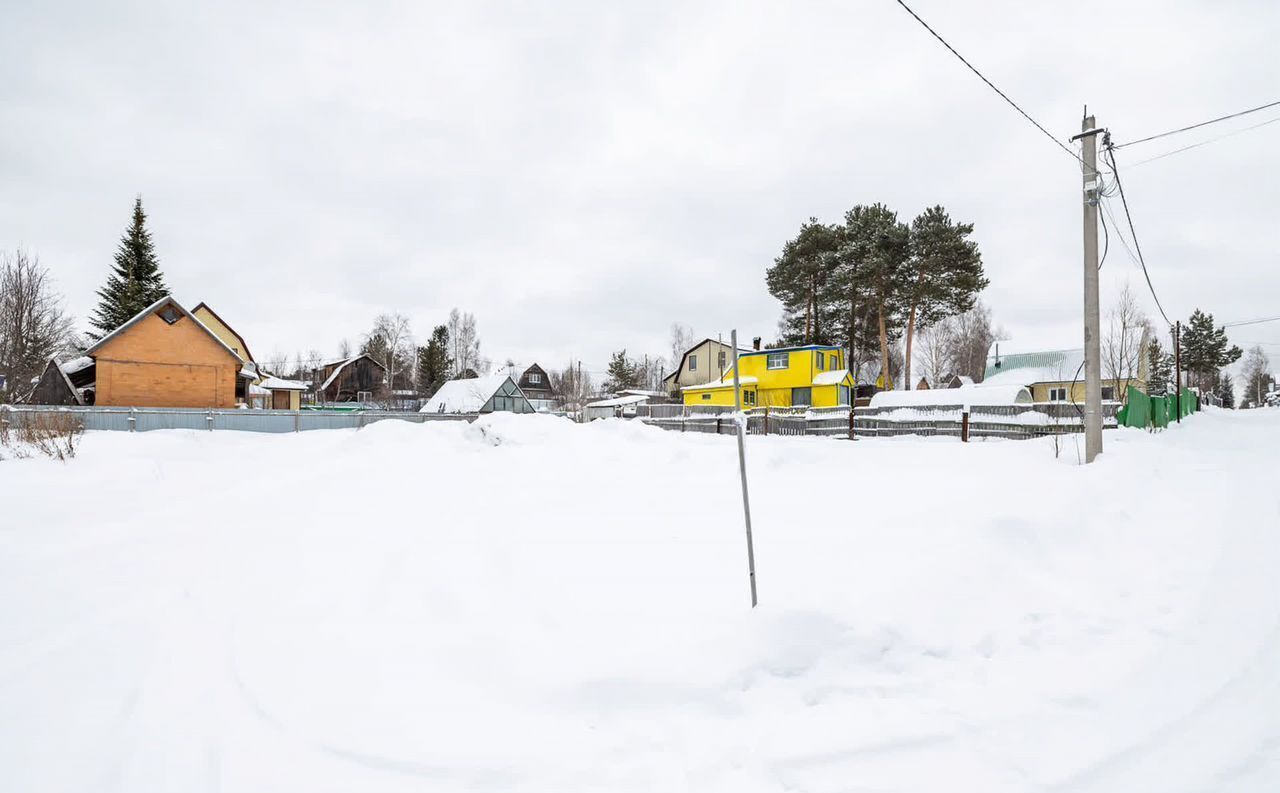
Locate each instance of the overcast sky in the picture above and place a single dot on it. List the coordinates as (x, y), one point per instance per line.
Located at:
(581, 175)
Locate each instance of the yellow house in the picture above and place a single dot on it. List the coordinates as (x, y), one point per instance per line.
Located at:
(813, 375)
(264, 390)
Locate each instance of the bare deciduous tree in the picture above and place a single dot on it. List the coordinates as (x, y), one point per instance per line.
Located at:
(936, 345)
(464, 343)
(1123, 344)
(681, 341)
(33, 325)
(391, 344)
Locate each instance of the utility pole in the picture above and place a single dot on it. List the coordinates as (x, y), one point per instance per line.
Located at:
(1088, 138)
(1177, 368)
(741, 421)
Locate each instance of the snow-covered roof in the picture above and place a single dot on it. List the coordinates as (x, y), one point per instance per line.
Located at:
(964, 395)
(633, 399)
(641, 392)
(257, 390)
(156, 307)
(833, 377)
(76, 365)
(964, 379)
(280, 384)
(466, 396)
(1025, 368)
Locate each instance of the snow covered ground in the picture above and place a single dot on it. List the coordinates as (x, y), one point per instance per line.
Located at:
(528, 605)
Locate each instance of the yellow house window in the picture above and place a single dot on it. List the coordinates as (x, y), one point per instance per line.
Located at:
(822, 361)
(706, 396)
(777, 360)
(1057, 395)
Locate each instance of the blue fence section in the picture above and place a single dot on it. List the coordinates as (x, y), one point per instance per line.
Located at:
(147, 419)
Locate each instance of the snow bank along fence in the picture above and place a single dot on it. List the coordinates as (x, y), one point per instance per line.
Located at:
(1013, 422)
(1148, 412)
(145, 419)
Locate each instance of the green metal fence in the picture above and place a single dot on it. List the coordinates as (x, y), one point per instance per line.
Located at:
(1147, 412)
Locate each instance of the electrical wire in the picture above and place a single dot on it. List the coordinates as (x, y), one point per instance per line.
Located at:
(1115, 169)
(1250, 322)
(1204, 143)
(1197, 126)
(1106, 240)
(990, 84)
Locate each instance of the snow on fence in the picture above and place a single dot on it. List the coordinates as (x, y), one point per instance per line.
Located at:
(146, 419)
(1013, 422)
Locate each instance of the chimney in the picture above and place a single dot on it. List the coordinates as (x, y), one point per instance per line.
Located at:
(755, 343)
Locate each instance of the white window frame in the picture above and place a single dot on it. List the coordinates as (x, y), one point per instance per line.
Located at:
(785, 357)
(693, 362)
(534, 377)
(821, 360)
(723, 359)
(1058, 394)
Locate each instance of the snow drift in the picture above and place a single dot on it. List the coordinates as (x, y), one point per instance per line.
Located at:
(523, 604)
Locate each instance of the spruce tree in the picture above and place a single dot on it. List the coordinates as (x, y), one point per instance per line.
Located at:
(1205, 349)
(434, 364)
(135, 281)
(1226, 390)
(1159, 369)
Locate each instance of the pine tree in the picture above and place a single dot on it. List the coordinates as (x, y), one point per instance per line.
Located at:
(872, 276)
(944, 273)
(434, 364)
(622, 372)
(1205, 348)
(135, 281)
(799, 278)
(1159, 369)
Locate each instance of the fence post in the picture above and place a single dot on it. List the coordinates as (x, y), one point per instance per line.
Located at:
(964, 425)
(297, 421)
(209, 420)
(766, 419)
(851, 435)
(133, 419)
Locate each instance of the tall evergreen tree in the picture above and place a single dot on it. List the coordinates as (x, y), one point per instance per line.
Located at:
(944, 273)
(135, 281)
(799, 278)
(1205, 349)
(434, 364)
(1159, 369)
(872, 274)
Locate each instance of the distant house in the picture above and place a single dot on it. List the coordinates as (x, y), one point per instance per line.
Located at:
(1055, 375)
(950, 397)
(355, 379)
(623, 406)
(536, 386)
(265, 391)
(957, 381)
(812, 375)
(66, 383)
(704, 362)
(489, 394)
(166, 357)
(923, 385)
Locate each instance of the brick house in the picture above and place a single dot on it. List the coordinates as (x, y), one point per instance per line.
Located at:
(166, 357)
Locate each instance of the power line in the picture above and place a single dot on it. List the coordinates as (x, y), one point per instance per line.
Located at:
(990, 84)
(1197, 126)
(1115, 170)
(1204, 142)
(1250, 322)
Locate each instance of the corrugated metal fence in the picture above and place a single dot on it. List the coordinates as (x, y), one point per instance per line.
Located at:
(146, 419)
